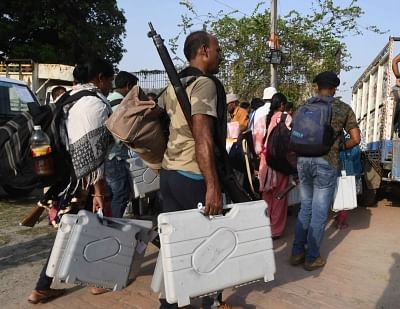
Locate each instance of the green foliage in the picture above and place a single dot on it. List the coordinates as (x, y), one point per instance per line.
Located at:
(67, 32)
(311, 43)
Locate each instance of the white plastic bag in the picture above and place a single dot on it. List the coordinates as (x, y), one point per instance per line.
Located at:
(346, 193)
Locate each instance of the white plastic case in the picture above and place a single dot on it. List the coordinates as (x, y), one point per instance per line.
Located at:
(60, 243)
(144, 179)
(202, 255)
(100, 253)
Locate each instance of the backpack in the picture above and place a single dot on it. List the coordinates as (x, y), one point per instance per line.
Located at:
(278, 156)
(16, 163)
(312, 134)
(139, 124)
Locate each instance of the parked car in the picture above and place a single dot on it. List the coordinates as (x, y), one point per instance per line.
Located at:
(15, 96)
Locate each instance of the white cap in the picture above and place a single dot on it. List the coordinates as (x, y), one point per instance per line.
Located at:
(268, 93)
(231, 97)
(36, 128)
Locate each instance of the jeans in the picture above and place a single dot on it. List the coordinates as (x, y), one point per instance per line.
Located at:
(182, 193)
(317, 187)
(118, 180)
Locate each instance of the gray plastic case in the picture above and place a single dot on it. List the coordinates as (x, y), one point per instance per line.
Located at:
(102, 253)
(144, 179)
(202, 255)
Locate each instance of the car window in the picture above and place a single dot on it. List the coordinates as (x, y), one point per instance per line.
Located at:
(17, 96)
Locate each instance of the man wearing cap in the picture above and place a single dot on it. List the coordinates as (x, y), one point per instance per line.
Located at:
(318, 177)
(259, 129)
(236, 112)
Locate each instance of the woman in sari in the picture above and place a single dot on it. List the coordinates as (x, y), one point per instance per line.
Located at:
(271, 181)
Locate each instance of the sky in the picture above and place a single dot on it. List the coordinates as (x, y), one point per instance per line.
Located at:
(166, 15)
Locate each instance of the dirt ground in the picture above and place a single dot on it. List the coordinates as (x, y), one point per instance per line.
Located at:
(23, 250)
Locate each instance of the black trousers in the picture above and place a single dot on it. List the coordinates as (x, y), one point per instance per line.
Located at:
(44, 281)
(182, 193)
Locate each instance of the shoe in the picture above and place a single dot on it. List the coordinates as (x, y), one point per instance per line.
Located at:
(297, 259)
(42, 296)
(318, 263)
(98, 291)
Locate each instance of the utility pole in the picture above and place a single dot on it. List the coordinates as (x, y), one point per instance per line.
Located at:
(273, 42)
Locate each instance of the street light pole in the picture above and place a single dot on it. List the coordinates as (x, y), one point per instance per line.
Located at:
(273, 41)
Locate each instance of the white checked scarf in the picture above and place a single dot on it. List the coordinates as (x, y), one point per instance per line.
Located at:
(88, 138)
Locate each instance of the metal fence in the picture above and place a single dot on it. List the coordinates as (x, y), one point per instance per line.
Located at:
(153, 80)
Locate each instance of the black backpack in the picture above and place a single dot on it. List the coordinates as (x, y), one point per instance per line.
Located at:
(16, 163)
(279, 157)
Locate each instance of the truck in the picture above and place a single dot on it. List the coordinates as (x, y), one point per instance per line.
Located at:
(374, 101)
(40, 77)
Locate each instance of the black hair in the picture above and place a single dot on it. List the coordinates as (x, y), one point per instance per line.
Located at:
(256, 103)
(289, 105)
(84, 73)
(276, 102)
(194, 41)
(80, 74)
(125, 79)
(244, 104)
(57, 91)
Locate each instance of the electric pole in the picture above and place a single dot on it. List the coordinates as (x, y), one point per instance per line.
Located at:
(273, 42)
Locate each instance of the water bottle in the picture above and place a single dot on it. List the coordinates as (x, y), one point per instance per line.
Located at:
(41, 152)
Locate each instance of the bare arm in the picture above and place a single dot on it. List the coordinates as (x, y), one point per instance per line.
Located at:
(203, 126)
(395, 66)
(99, 195)
(354, 140)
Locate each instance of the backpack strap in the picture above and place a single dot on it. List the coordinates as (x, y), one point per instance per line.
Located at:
(115, 102)
(283, 117)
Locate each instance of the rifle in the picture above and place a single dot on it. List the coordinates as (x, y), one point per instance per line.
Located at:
(172, 74)
(32, 217)
(289, 188)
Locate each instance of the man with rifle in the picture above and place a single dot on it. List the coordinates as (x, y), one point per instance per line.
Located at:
(189, 173)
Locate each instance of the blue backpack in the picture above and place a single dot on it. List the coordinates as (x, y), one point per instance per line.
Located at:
(312, 134)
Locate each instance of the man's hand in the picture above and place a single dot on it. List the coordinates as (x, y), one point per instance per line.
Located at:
(99, 195)
(213, 201)
(98, 203)
(398, 82)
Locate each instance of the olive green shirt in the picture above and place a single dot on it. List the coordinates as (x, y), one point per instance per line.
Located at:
(180, 154)
(343, 117)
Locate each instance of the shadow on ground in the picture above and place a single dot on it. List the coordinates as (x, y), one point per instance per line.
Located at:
(25, 252)
(391, 296)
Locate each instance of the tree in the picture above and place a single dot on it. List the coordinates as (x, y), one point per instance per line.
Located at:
(66, 32)
(312, 43)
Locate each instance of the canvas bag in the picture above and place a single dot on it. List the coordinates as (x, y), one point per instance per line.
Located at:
(137, 122)
(346, 193)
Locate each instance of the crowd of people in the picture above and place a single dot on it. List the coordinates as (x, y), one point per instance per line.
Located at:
(189, 172)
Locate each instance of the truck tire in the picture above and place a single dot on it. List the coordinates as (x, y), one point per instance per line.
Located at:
(16, 192)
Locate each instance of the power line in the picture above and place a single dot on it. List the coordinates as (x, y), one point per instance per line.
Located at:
(230, 7)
